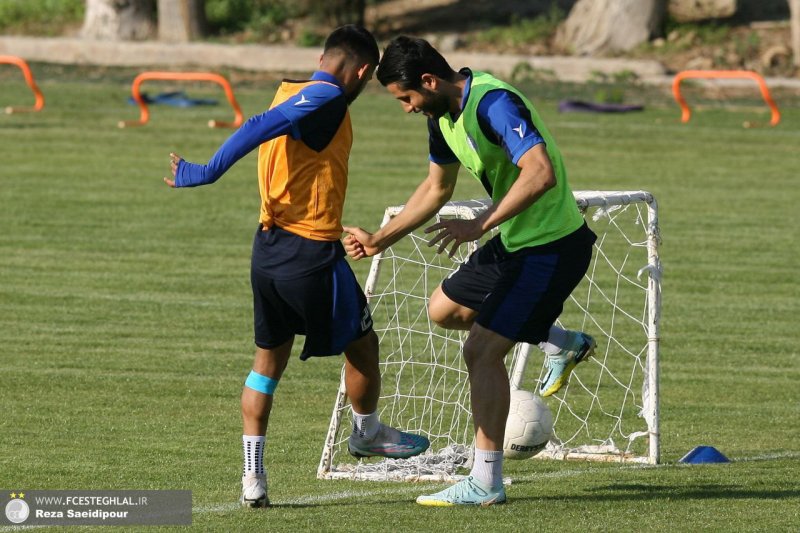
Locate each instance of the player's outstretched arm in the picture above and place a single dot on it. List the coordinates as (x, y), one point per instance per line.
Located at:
(426, 201)
(257, 129)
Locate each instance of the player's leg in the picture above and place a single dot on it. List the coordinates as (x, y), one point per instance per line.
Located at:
(274, 326)
(338, 319)
(362, 375)
(564, 349)
(363, 382)
(257, 394)
(515, 308)
(256, 402)
(484, 352)
(456, 304)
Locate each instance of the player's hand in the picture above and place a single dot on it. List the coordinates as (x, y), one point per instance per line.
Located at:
(359, 243)
(454, 232)
(174, 161)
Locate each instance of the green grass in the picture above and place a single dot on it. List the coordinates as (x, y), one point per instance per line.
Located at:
(125, 319)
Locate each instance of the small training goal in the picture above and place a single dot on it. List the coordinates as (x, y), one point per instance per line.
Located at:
(608, 412)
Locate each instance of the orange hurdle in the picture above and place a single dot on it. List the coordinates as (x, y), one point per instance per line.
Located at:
(144, 115)
(26, 71)
(727, 74)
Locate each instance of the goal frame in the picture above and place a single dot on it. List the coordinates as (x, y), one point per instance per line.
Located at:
(604, 200)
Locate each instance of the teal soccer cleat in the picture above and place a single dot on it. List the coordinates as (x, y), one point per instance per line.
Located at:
(469, 491)
(560, 365)
(389, 442)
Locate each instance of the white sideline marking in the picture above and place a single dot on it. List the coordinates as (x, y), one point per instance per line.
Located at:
(220, 508)
(770, 457)
(309, 500)
(415, 488)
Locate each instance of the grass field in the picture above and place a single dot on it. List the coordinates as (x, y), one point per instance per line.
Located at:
(125, 315)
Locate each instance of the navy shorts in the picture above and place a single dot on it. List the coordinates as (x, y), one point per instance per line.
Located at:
(327, 306)
(520, 295)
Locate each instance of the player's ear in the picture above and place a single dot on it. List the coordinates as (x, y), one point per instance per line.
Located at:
(363, 71)
(429, 81)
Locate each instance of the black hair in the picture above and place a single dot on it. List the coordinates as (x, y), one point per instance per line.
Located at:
(406, 59)
(355, 41)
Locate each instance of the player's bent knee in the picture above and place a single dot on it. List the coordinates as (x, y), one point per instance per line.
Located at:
(448, 314)
(483, 347)
(439, 317)
(457, 320)
(472, 353)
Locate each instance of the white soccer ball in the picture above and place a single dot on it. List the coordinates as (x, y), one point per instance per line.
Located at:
(529, 425)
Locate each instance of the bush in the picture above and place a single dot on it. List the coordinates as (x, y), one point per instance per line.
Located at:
(525, 30)
(40, 17)
(259, 17)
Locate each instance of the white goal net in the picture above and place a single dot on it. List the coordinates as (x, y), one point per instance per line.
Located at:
(609, 410)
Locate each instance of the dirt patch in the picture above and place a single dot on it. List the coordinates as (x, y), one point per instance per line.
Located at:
(761, 47)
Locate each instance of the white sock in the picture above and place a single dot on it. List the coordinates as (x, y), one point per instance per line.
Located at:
(557, 338)
(488, 467)
(365, 426)
(253, 454)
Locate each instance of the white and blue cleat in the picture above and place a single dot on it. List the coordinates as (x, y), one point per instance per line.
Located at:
(469, 491)
(580, 347)
(389, 442)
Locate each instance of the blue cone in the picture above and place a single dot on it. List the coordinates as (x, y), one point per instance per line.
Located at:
(704, 454)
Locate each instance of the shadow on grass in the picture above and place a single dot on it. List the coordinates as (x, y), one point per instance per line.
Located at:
(24, 126)
(644, 492)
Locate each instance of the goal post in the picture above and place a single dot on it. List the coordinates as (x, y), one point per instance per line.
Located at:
(608, 412)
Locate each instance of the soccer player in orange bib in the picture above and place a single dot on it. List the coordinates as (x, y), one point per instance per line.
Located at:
(302, 283)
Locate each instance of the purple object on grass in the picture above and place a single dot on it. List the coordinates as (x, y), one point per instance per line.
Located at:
(566, 106)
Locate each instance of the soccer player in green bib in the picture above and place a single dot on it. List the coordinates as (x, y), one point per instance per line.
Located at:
(513, 288)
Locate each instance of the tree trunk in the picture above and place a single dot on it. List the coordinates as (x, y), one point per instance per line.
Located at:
(119, 20)
(698, 10)
(597, 26)
(794, 7)
(180, 21)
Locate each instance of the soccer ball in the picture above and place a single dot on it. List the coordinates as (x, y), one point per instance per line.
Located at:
(529, 425)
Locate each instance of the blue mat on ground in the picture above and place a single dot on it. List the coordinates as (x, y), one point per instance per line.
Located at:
(175, 99)
(566, 106)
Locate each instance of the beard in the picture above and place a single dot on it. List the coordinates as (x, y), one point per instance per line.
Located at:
(435, 105)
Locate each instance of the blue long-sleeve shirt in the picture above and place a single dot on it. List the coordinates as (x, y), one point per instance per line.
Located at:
(288, 118)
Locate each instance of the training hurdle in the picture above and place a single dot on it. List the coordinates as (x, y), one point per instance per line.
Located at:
(26, 71)
(144, 113)
(723, 74)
